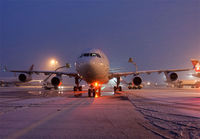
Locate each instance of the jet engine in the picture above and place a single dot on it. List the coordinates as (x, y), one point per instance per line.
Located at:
(56, 81)
(137, 80)
(173, 76)
(24, 77)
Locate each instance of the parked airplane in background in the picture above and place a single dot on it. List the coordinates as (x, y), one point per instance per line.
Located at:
(182, 83)
(188, 83)
(93, 67)
(22, 79)
(7, 82)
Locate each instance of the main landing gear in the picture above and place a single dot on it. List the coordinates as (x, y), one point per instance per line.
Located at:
(117, 88)
(77, 87)
(94, 91)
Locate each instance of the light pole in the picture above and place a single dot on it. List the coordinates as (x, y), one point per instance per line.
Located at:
(53, 63)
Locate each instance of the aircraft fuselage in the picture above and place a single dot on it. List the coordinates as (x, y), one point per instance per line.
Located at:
(93, 66)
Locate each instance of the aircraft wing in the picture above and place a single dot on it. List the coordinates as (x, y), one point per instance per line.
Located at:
(119, 74)
(70, 74)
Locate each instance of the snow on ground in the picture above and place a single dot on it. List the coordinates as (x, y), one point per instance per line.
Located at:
(171, 111)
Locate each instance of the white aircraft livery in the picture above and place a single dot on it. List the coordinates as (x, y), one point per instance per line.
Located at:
(93, 67)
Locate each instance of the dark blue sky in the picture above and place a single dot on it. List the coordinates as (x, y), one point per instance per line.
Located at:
(159, 34)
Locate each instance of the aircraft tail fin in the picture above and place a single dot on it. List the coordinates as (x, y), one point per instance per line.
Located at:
(31, 67)
(196, 65)
(194, 62)
(4, 68)
(30, 70)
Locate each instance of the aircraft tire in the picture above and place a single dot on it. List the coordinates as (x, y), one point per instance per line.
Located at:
(89, 92)
(80, 88)
(75, 88)
(94, 92)
(99, 92)
(120, 88)
(115, 88)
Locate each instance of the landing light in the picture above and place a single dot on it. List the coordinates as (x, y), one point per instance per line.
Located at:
(96, 84)
(61, 87)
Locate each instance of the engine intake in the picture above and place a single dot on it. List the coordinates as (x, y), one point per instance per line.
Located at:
(137, 80)
(173, 76)
(22, 77)
(55, 81)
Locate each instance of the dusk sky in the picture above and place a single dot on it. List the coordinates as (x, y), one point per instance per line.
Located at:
(158, 34)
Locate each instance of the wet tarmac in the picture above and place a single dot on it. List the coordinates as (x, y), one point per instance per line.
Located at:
(148, 113)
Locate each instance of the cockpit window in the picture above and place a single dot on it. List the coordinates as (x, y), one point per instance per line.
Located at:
(98, 55)
(93, 54)
(87, 54)
(90, 55)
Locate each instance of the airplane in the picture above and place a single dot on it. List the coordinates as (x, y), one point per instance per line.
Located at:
(93, 67)
(22, 79)
(190, 83)
(181, 83)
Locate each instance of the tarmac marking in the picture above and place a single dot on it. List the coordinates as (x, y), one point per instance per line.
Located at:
(42, 121)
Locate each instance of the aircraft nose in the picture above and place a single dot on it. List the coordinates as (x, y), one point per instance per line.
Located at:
(89, 67)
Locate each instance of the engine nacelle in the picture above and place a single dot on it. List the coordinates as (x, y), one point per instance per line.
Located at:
(137, 80)
(56, 81)
(24, 77)
(173, 76)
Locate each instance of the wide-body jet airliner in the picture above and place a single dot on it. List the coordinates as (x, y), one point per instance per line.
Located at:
(93, 67)
(181, 83)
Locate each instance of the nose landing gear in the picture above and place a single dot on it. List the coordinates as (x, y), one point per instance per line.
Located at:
(94, 91)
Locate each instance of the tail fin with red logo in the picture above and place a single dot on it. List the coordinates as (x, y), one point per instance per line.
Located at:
(196, 65)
